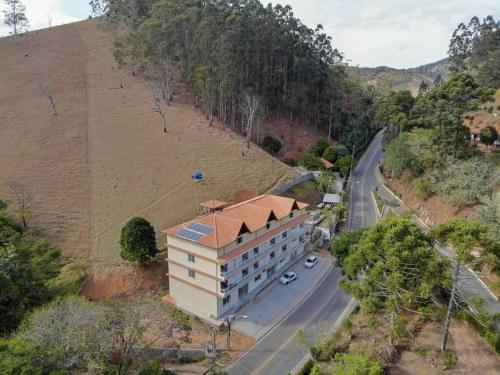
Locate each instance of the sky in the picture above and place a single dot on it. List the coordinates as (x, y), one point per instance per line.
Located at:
(396, 33)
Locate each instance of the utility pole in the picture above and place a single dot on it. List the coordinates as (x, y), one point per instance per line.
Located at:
(228, 336)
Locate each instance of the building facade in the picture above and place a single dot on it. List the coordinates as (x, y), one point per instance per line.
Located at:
(222, 259)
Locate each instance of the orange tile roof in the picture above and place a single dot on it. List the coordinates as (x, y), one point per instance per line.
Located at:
(251, 244)
(326, 163)
(247, 216)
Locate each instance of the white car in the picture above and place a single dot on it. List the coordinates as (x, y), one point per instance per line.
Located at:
(288, 278)
(311, 262)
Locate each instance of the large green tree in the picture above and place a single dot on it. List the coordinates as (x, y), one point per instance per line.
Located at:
(138, 241)
(443, 108)
(464, 236)
(475, 48)
(401, 271)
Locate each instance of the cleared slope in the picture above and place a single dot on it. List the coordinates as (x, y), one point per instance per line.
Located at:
(47, 154)
(132, 167)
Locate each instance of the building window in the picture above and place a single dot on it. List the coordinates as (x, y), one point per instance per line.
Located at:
(244, 257)
(257, 278)
(273, 241)
(191, 258)
(301, 238)
(284, 248)
(256, 265)
(244, 272)
(191, 274)
(239, 239)
(223, 268)
(284, 234)
(268, 225)
(291, 214)
(272, 255)
(256, 250)
(223, 284)
(226, 300)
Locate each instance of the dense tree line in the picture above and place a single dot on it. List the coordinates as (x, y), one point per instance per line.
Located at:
(475, 48)
(244, 61)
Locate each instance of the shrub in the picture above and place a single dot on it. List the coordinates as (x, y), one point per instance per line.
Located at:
(347, 364)
(70, 279)
(422, 187)
(306, 369)
(488, 135)
(291, 162)
(319, 147)
(271, 145)
(421, 351)
(465, 182)
(3, 205)
(344, 164)
(330, 154)
(310, 161)
(449, 358)
(326, 350)
(182, 319)
(138, 241)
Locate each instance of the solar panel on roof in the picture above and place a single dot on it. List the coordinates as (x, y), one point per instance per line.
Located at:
(201, 228)
(189, 234)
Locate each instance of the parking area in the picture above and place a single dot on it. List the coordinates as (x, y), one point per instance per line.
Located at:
(274, 302)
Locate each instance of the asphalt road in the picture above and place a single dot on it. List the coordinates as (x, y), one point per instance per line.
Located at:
(280, 350)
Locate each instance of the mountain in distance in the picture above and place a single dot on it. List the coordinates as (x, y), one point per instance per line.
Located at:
(403, 79)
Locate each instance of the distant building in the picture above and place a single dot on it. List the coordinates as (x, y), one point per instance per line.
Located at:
(221, 260)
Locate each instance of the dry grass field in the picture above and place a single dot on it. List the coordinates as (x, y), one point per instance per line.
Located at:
(104, 158)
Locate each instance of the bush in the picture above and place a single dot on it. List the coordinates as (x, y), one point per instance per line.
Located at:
(422, 187)
(449, 358)
(464, 183)
(344, 164)
(330, 154)
(488, 135)
(290, 162)
(306, 369)
(271, 145)
(347, 364)
(138, 241)
(3, 205)
(326, 350)
(319, 147)
(421, 351)
(182, 319)
(310, 162)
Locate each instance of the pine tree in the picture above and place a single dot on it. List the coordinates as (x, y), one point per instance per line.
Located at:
(15, 17)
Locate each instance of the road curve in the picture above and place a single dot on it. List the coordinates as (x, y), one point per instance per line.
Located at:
(279, 350)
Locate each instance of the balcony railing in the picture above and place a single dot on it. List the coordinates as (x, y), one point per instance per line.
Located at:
(291, 237)
(236, 281)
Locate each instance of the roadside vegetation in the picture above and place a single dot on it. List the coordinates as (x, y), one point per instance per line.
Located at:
(428, 145)
(407, 295)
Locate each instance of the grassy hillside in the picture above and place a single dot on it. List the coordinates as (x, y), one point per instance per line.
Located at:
(403, 79)
(104, 158)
